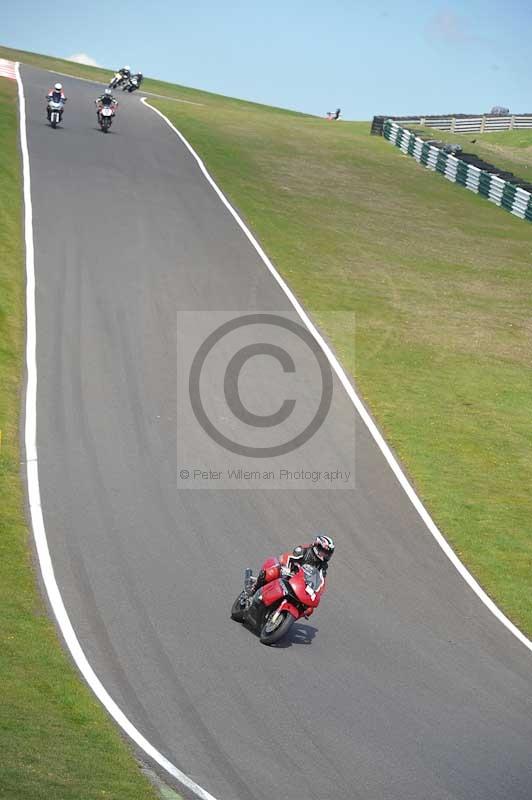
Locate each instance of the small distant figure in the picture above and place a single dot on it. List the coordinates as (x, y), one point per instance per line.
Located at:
(333, 115)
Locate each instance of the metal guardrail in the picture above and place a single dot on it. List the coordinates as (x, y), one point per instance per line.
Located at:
(503, 193)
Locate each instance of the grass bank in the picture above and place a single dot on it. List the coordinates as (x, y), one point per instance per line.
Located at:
(440, 282)
(55, 739)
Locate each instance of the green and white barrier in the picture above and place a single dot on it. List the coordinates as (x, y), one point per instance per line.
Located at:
(517, 201)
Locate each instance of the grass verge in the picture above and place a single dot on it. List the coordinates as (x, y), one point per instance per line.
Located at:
(55, 739)
(440, 282)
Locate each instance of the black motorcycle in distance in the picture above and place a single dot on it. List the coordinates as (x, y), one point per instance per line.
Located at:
(133, 83)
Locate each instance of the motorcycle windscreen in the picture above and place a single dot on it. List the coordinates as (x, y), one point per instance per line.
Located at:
(313, 577)
(308, 585)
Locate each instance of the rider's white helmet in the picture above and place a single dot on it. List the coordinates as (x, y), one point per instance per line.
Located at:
(108, 92)
(58, 87)
(128, 68)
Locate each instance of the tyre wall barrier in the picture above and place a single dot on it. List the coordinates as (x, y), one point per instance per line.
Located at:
(504, 194)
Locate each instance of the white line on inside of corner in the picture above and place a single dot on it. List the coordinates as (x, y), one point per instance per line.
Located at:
(376, 434)
(34, 499)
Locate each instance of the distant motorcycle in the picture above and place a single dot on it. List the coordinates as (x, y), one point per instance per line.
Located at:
(272, 609)
(55, 112)
(117, 80)
(133, 83)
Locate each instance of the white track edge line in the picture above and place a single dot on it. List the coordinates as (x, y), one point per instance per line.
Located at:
(359, 406)
(34, 499)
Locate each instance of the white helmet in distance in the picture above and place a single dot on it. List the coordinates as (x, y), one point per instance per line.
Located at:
(58, 87)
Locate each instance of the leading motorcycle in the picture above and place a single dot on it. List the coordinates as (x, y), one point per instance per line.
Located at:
(55, 112)
(272, 610)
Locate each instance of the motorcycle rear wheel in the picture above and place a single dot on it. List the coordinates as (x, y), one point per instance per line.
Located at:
(272, 634)
(237, 612)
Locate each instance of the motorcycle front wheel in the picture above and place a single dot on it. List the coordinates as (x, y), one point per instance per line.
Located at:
(274, 629)
(237, 612)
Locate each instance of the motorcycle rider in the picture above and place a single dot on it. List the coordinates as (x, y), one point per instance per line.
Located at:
(125, 72)
(318, 554)
(106, 100)
(55, 94)
(133, 82)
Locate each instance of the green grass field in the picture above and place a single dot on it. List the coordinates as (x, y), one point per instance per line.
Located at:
(440, 282)
(56, 742)
(511, 151)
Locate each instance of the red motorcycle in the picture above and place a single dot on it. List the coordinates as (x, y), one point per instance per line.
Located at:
(272, 609)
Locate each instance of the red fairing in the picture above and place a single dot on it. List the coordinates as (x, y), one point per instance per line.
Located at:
(286, 605)
(272, 569)
(272, 592)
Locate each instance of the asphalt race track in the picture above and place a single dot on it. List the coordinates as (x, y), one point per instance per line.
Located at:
(402, 686)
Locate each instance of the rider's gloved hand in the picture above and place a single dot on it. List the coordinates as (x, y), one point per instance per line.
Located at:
(286, 572)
